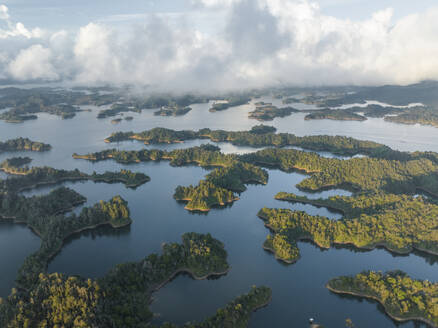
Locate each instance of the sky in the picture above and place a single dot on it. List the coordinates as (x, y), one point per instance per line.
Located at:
(205, 45)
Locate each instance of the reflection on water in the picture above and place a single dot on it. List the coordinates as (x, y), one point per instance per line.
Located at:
(298, 290)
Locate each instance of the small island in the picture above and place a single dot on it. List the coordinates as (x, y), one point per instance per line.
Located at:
(116, 121)
(403, 298)
(27, 111)
(138, 104)
(416, 116)
(234, 101)
(23, 144)
(334, 114)
(118, 108)
(29, 178)
(267, 112)
(172, 111)
(204, 197)
(377, 111)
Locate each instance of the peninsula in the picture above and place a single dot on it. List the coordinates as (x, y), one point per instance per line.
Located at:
(403, 298)
(400, 223)
(121, 297)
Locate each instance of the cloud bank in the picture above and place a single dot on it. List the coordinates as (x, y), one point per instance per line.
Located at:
(261, 43)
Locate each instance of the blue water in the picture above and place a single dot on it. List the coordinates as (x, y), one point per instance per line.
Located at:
(298, 289)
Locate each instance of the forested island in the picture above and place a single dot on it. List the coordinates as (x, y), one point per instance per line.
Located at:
(43, 214)
(356, 174)
(23, 104)
(116, 109)
(217, 189)
(28, 178)
(259, 136)
(23, 144)
(267, 112)
(232, 101)
(27, 112)
(121, 297)
(378, 111)
(173, 111)
(137, 104)
(410, 173)
(402, 297)
(417, 116)
(335, 114)
(400, 223)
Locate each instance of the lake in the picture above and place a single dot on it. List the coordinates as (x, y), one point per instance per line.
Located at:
(298, 289)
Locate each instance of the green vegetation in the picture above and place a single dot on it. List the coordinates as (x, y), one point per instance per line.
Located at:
(154, 101)
(254, 138)
(116, 109)
(217, 189)
(358, 174)
(338, 115)
(23, 104)
(154, 136)
(229, 102)
(21, 144)
(128, 178)
(219, 186)
(262, 129)
(402, 297)
(416, 116)
(43, 214)
(54, 229)
(22, 113)
(172, 111)
(15, 165)
(267, 112)
(235, 314)
(290, 100)
(204, 155)
(412, 172)
(121, 298)
(29, 178)
(18, 208)
(204, 196)
(373, 110)
(399, 223)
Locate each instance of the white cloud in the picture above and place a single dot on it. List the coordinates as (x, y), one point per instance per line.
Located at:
(33, 63)
(4, 15)
(18, 29)
(264, 42)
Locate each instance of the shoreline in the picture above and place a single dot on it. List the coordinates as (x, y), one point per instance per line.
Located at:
(365, 248)
(160, 285)
(375, 298)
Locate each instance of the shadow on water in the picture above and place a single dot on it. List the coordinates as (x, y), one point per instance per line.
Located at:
(103, 231)
(360, 300)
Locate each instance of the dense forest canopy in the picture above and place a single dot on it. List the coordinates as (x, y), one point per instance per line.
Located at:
(403, 298)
